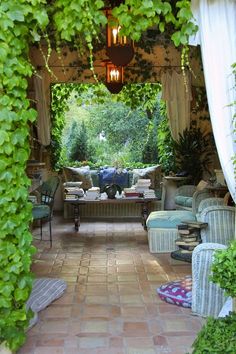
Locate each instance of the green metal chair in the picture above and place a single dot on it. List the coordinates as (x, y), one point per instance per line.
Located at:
(44, 210)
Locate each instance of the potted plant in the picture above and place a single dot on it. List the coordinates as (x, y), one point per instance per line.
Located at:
(218, 334)
(193, 153)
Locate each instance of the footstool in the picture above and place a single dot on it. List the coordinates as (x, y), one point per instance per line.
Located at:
(162, 229)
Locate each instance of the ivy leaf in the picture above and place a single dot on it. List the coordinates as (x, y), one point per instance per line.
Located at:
(185, 13)
(8, 148)
(5, 302)
(99, 4)
(161, 27)
(6, 175)
(16, 15)
(21, 294)
(19, 136)
(147, 4)
(4, 49)
(176, 38)
(4, 137)
(42, 17)
(3, 164)
(35, 35)
(6, 23)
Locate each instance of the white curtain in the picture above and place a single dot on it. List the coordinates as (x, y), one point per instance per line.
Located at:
(176, 92)
(217, 36)
(43, 120)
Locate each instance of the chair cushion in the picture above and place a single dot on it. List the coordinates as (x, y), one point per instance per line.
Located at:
(40, 211)
(45, 291)
(189, 202)
(178, 292)
(168, 219)
(183, 201)
(79, 174)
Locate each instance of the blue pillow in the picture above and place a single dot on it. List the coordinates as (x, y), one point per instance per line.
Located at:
(111, 175)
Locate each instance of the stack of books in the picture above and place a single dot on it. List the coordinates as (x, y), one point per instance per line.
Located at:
(92, 193)
(131, 193)
(189, 238)
(189, 232)
(149, 193)
(73, 193)
(142, 185)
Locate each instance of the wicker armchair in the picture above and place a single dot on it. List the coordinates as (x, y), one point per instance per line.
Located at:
(221, 224)
(207, 297)
(187, 197)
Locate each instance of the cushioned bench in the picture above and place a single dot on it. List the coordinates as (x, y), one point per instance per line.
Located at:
(162, 229)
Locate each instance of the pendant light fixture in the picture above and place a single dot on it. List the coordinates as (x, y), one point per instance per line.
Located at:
(114, 77)
(119, 49)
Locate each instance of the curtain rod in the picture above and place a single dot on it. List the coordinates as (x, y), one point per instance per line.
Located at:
(103, 66)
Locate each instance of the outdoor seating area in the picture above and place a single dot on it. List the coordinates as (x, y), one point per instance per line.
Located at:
(118, 171)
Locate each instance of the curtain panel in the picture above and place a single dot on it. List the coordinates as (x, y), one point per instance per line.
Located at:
(216, 20)
(177, 94)
(43, 120)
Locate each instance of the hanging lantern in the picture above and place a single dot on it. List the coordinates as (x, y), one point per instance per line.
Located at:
(120, 49)
(114, 77)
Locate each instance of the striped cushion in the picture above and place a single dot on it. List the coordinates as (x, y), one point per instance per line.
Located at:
(45, 291)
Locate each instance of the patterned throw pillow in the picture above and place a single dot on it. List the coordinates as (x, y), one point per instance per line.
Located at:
(178, 292)
(79, 174)
(153, 173)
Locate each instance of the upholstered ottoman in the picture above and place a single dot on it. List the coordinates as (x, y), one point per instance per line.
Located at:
(162, 229)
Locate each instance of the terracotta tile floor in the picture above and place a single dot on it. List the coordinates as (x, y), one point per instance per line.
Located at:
(111, 305)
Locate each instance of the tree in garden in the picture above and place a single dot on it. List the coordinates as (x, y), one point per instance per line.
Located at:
(78, 142)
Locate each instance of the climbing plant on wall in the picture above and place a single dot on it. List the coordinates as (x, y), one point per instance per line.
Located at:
(20, 23)
(23, 22)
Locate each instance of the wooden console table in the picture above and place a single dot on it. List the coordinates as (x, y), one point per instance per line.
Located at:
(144, 204)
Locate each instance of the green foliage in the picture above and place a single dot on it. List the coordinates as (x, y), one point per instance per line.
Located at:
(124, 119)
(224, 270)
(193, 152)
(59, 106)
(218, 336)
(140, 95)
(78, 142)
(20, 24)
(137, 16)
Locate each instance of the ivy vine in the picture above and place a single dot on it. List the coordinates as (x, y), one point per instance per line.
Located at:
(20, 24)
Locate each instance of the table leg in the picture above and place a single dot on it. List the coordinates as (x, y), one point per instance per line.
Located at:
(145, 213)
(76, 217)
